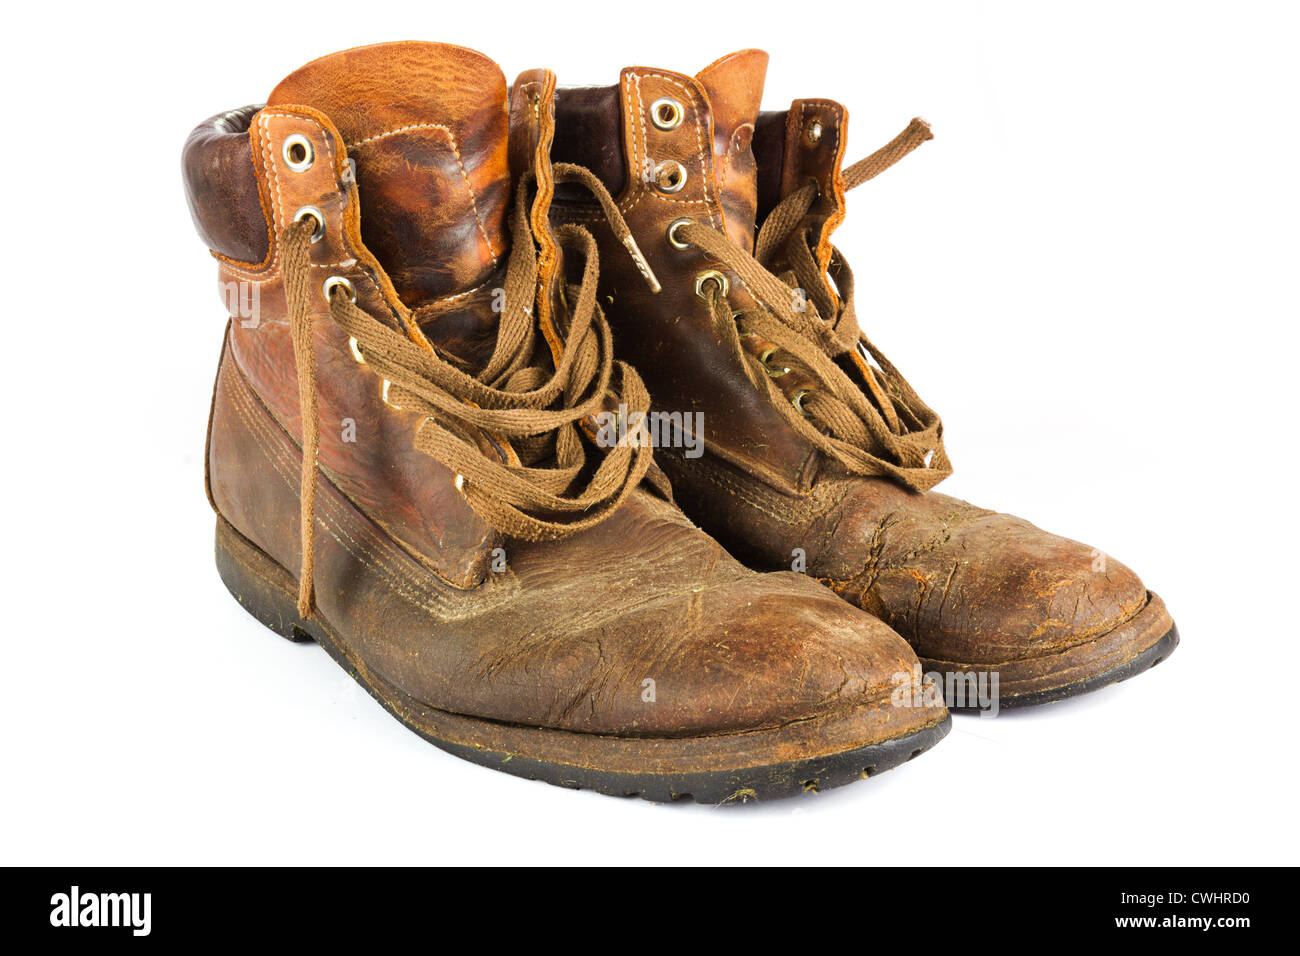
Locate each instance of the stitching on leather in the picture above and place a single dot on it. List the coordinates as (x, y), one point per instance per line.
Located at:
(339, 264)
(288, 469)
(829, 107)
(402, 582)
(269, 426)
(640, 191)
(835, 127)
(455, 149)
(731, 148)
(738, 490)
(278, 213)
(638, 157)
(273, 270)
(264, 137)
(491, 282)
(689, 95)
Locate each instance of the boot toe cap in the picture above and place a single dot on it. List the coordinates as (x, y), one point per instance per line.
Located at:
(753, 653)
(1000, 589)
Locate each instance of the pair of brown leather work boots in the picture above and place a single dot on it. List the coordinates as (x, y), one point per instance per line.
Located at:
(546, 413)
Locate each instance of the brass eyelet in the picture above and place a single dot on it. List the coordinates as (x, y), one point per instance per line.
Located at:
(666, 114)
(797, 401)
(338, 282)
(672, 230)
(736, 316)
(298, 153)
(670, 176)
(813, 132)
(384, 394)
(711, 275)
(765, 357)
(311, 212)
(356, 350)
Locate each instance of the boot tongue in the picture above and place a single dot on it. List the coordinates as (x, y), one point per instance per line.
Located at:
(427, 127)
(734, 86)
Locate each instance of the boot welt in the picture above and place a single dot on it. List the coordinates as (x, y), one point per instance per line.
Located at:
(803, 756)
(1139, 644)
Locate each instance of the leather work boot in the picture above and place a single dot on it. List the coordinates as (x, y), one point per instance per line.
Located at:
(815, 448)
(402, 461)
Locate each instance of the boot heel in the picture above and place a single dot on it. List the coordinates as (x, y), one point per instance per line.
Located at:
(266, 590)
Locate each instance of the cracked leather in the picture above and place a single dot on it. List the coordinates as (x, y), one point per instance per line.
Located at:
(961, 583)
(565, 636)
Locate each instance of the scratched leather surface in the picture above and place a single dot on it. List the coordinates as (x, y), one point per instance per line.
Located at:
(565, 636)
(959, 582)
(670, 336)
(428, 134)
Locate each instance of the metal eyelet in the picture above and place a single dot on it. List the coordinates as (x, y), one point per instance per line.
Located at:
(384, 394)
(356, 350)
(813, 132)
(670, 176)
(797, 401)
(460, 483)
(765, 356)
(736, 316)
(711, 275)
(672, 230)
(298, 153)
(338, 282)
(311, 212)
(666, 114)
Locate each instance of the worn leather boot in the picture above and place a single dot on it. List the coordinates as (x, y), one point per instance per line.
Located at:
(816, 449)
(401, 459)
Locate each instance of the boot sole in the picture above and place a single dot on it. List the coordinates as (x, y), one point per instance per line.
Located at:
(717, 769)
(1137, 645)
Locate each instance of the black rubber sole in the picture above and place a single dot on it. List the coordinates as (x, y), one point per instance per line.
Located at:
(265, 599)
(1144, 661)
(772, 782)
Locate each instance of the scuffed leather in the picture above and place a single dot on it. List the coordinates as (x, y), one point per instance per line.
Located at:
(960, 583)
(670, 336)
(221, 187)
(410, 494)
(426, 124)
(567, 634)
(734, 87)
(820, 162)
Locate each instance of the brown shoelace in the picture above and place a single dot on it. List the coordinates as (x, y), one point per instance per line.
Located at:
(884, 429)
(530, 402)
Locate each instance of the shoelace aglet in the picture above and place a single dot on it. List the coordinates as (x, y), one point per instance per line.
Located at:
(641, 264)
(568, 172)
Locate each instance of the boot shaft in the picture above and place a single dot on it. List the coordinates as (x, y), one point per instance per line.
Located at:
(674, 148)
(402, 153)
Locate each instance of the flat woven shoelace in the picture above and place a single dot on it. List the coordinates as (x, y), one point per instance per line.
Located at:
(524, 398)
(879, 426)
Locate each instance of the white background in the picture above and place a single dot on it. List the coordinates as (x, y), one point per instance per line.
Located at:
(1091, 273)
